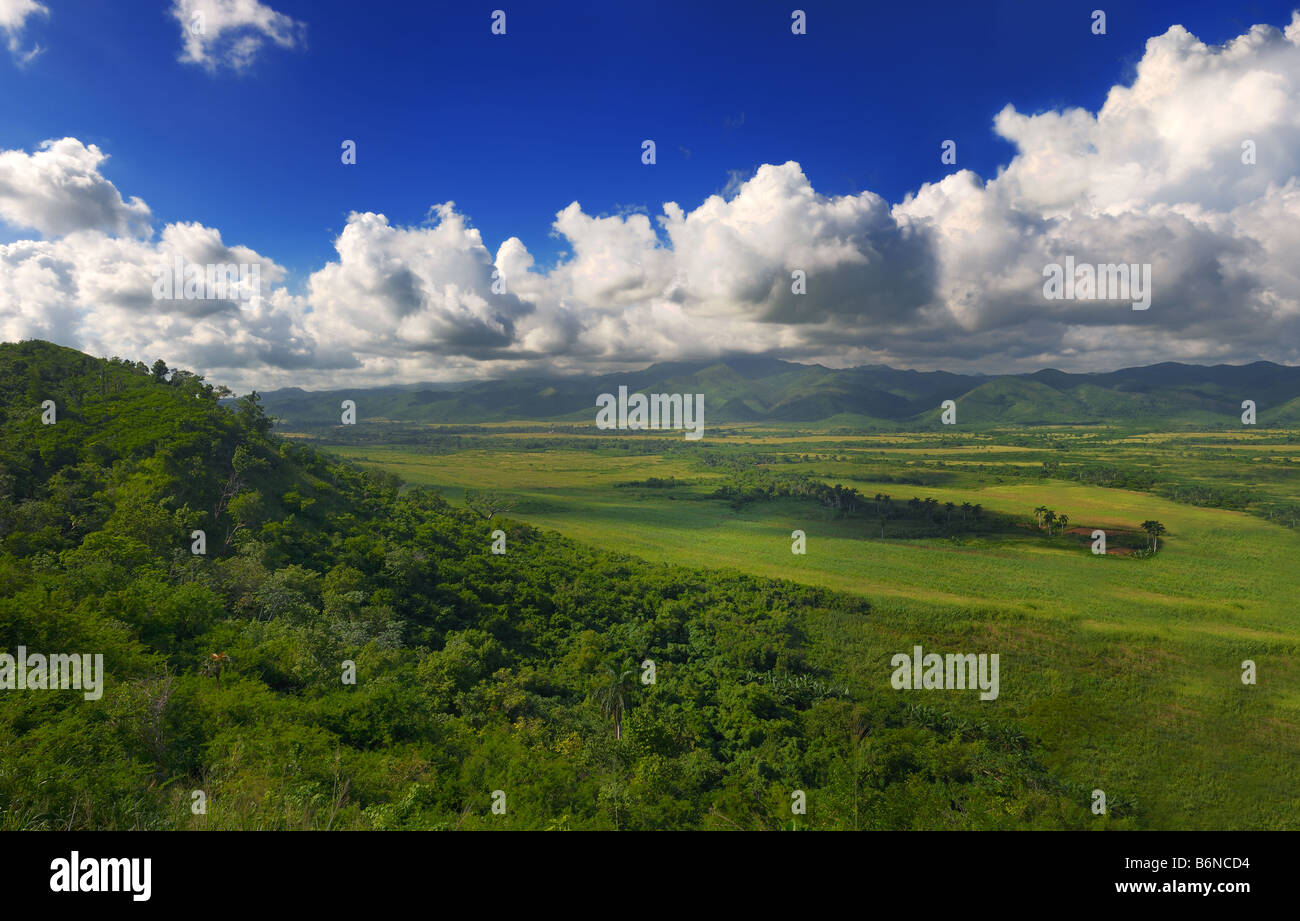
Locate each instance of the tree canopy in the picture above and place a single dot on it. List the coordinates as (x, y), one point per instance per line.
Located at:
(227, 671)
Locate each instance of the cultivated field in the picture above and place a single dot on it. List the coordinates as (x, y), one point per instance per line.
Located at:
(1127, 668)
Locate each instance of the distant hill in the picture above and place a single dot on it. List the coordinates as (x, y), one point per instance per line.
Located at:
(771, 390)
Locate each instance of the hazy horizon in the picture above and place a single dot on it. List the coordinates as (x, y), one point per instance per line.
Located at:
(726, 359)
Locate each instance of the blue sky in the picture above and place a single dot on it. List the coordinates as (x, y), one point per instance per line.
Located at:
(514, 128)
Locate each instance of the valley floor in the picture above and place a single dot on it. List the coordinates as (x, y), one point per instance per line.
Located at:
(1128, 669)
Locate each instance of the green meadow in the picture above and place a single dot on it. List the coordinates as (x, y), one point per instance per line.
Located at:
(1127, 668)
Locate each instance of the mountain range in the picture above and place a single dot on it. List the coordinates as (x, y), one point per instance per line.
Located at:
(755, 389)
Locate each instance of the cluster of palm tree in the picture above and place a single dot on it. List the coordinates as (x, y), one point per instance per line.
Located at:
(884, 506)
(839, 497)
(1048, 518)
(1153, 530)
(930, 509)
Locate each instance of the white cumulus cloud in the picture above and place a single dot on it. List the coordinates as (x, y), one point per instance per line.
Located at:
(229, 33)
(59, 189)
(13, 18)
(950, 277)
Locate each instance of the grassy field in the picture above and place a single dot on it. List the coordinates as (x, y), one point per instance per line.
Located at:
(1128, 670)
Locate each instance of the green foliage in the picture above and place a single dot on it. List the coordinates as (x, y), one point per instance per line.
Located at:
(474, 672)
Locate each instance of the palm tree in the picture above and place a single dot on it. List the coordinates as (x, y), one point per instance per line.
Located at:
(1154, 529)
(948, 507)
(612, 695)
(978, 510)
(1062, 520)
(1039, 514)
(1049, 517)
(965, 511)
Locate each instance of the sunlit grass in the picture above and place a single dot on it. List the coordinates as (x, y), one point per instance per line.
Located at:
(1127, 669)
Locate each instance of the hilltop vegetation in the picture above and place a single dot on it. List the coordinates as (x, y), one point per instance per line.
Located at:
(475, 672)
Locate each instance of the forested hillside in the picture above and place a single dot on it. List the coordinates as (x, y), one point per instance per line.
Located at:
(474, 672)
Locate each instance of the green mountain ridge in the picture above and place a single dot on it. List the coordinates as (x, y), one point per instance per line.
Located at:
(774, 391)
